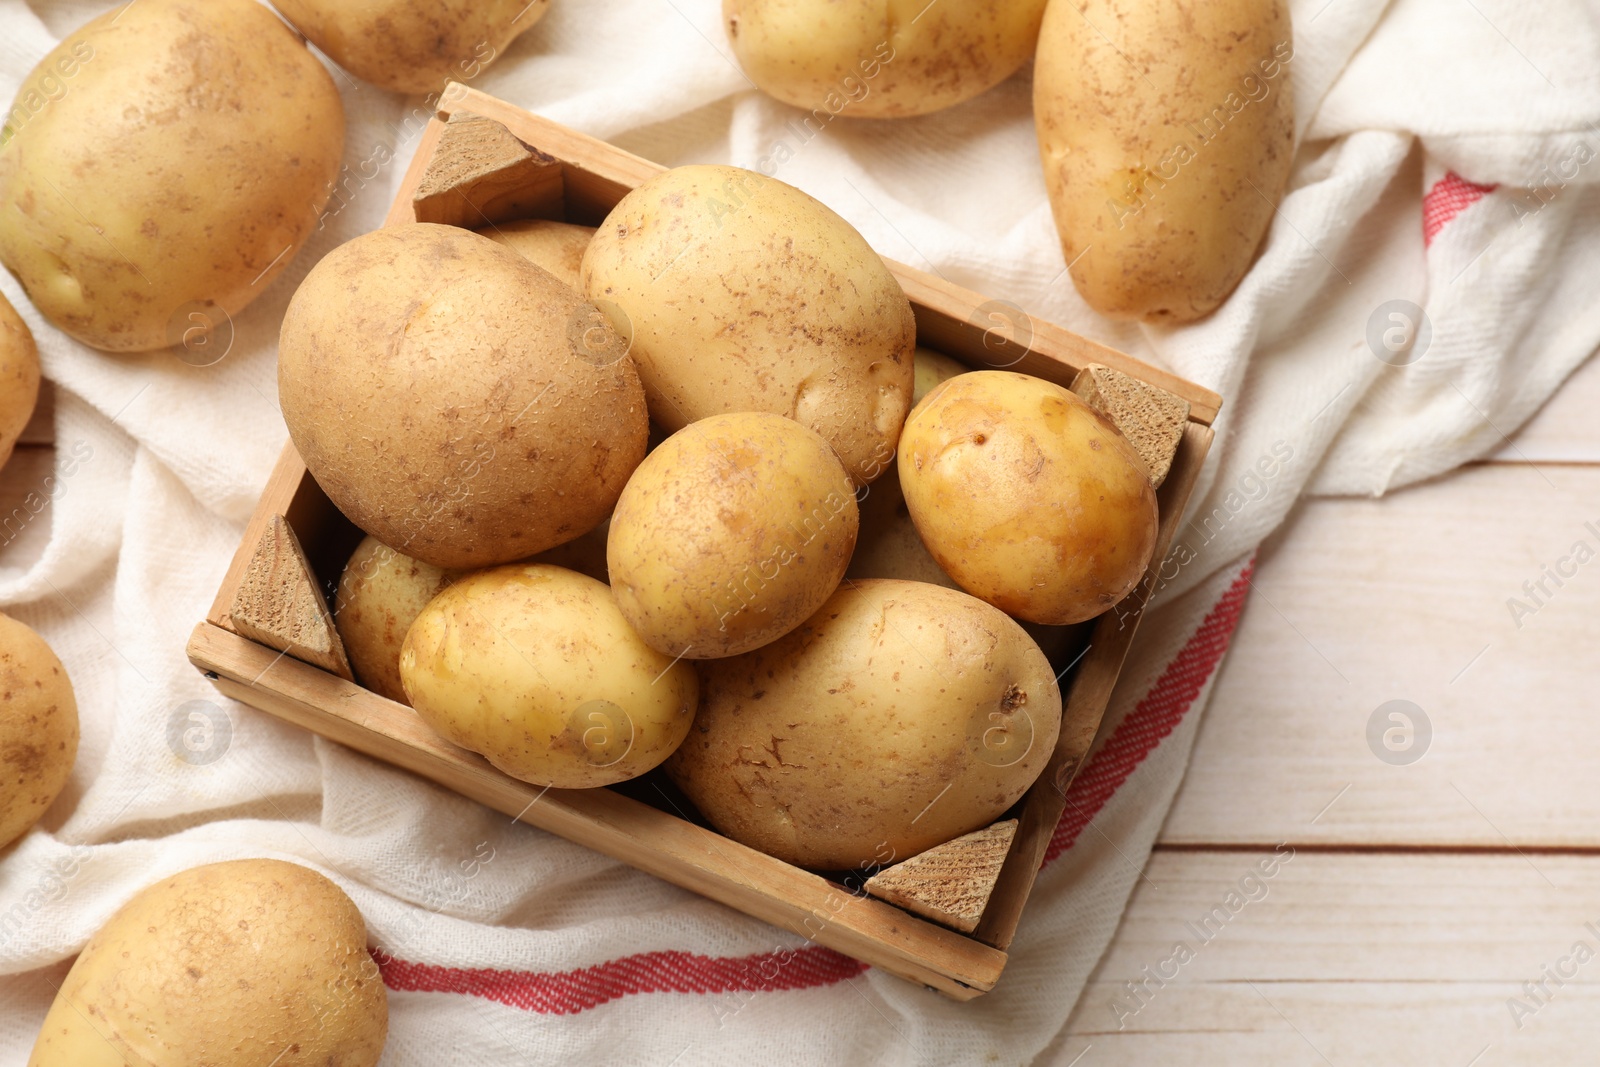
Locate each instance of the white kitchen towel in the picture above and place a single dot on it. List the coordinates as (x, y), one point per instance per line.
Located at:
(1429, 280)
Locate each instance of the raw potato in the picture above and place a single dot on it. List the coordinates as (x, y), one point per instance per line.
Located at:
(244, 962)
(558, 247)
(741, 293)
(38, 728)
(931, 368)
(413, 46)
(534, 668)
(454, 400)
(19, 377)
(161, 166)
(585, 554)
(899, 716)
(380, 593)
(1166, 131)
(1027, 497)
(730, 534)
(889, 545)
(880, 58)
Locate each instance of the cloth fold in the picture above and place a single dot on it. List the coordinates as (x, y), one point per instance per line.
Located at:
(1427, 282)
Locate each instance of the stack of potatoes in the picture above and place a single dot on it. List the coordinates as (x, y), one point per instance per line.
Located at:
(614, 482)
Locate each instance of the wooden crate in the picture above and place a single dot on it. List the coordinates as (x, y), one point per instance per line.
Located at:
(561, 174)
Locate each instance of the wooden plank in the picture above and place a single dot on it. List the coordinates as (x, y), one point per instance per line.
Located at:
(668, 847)
(1362, 602)
(1563, 430)
(1344, 959)
(981, 331)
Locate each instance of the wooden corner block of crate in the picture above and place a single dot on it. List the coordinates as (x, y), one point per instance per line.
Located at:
(481, 173)
(279, 604)
(1149, 416)
(949, 883)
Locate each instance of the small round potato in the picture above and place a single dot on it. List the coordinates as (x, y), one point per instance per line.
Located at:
(161, 166)
(558, 247)
(38, 728)
(880, 59)
(243, 962)
(381, 592)
(1167, 134)
(730, 534)
(1027, 497)
(19, 377)
(454, 400)
(534, 668)
(413, 46)
(899, 716)
(741, 293)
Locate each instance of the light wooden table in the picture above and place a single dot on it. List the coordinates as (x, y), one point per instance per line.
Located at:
(1442, 906)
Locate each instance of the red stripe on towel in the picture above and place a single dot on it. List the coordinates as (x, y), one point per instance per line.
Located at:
(1168, 701)
(1449, 197)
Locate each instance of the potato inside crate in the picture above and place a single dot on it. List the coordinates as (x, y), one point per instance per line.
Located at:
(481, 162)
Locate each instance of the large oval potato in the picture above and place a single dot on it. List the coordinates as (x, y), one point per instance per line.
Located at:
(243, 962)
(897, 717)
(413, 46)
(741, 293)
(880, 59)
(1027, 497)
(162, 165)
(730, 534)
(19, 377)
(38, 728)
(558, 247)
(534, 668)
(454, 400)
(1167, 132)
